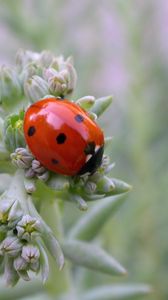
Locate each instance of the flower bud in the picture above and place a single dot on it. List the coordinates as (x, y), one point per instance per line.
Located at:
(44, 177)
(61, 77)
(105, 163)
(30, 173)
(29, 184)
(27, 227)
(13, 132)
(72, 78)
(105, 185)
(45, 59)
(35, 88)
(57, 62)
(93, 116)
(57, 85)
(90, 187)
(80, 202)
(22, 158)
(10, 87)
(10, 246)
(24, 57)
(39, 170)
(50, 73)
(20, 263)
(30, 253)
(10, 212)
(37, 167)
(86, 102)
(29, 71)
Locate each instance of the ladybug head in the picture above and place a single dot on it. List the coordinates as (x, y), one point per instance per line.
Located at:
(93, 163)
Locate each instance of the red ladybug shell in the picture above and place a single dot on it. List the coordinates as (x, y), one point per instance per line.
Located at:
(62, 137)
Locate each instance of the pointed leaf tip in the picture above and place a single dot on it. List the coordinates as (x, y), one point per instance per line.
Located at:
(120, 187)
(101, 105)
(79, 201)
(54, 248)
(92, 257)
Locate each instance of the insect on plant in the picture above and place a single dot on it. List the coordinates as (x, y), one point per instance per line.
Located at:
(53, 152)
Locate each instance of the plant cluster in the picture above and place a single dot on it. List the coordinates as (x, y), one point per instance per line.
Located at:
(26, 238)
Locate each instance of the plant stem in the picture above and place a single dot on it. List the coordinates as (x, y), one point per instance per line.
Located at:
(17, 190)
(59, 281)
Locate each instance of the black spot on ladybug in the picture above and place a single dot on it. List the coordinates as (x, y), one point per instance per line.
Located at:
(93, 163)
(61, 138)
(55, 161)
(31, 130)
(90, 148)
(79, 118)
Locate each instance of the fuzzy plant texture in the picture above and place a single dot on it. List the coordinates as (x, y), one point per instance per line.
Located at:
(32, 202)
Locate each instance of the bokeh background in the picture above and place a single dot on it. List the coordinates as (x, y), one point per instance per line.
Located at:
(119, 47)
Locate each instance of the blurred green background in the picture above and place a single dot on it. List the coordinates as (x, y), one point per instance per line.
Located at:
(119, 47)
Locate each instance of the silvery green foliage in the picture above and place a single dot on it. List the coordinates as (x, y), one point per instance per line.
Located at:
(25, 237)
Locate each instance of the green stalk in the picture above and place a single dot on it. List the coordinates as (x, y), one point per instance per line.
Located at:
(59, 281)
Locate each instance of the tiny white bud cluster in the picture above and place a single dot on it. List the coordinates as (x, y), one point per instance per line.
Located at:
(23, 159)
(19, 245)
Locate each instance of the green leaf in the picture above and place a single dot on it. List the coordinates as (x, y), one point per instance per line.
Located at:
(80, 202)
(23, 289)
(54, 248)
(86, 102)
(119, 187)
(6, 167)
(117, 292)
(4, 154)
(44, 264)
(49, 239)
(10, 275)
(92, 257)
(92, 222)
(101, 105)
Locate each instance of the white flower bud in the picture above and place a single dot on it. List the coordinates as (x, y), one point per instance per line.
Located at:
(45, 59)
(21, 158)
(10, 87)
(29, 173)
(27, 227)
(105, 185)
(20, 263)
(35, 88)
(90, 187)
(37, 167)
(11, 246)
(24, 57)
(86, 102)
(30, 253)
(10, 212)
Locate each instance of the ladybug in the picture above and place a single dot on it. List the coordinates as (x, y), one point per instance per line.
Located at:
(63, 137)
